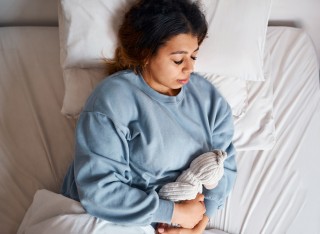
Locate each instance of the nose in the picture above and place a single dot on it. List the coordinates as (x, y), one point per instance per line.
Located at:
(188, 66)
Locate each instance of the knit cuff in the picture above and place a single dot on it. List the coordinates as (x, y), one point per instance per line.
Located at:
(211, 207)
(164, 212)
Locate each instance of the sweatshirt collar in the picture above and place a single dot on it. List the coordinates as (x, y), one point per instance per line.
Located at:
(159, 96)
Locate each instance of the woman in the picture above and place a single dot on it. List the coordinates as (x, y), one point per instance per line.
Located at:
(145, 123)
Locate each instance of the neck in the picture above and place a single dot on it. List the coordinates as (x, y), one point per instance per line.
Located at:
(157, 87)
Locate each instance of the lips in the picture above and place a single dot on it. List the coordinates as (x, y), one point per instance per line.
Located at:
(183, 81)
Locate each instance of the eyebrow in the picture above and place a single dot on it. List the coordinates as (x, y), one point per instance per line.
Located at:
(183, 52)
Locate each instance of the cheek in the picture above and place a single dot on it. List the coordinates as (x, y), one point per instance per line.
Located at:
(167, 68)
(170, 73)
(172, 68)
(175, 70)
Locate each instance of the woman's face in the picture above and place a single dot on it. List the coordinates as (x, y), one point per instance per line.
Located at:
(170, 68)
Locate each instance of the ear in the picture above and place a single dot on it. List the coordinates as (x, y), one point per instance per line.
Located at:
(146, 61)
(144, 64)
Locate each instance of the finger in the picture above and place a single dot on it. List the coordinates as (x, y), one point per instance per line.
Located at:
(202, 224)
(200, 197)
(173, 230)
(160, 230)
(161, 227)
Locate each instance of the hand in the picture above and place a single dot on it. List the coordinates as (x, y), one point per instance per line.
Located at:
(189, 213)
(198, 229)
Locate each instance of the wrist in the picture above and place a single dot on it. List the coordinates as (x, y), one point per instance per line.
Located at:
(176, 216)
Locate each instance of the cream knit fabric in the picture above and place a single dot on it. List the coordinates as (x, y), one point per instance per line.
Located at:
(207, 169)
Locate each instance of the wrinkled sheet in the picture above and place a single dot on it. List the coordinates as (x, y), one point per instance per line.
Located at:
(36, 140)
(278, 190)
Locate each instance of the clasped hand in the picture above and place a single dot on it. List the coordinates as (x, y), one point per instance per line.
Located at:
(189, 215)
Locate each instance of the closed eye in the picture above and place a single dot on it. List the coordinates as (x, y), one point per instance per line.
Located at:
(181, 61)
(178, 62)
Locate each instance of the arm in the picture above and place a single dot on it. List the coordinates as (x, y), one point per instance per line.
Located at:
(222, 135)
(103, 175)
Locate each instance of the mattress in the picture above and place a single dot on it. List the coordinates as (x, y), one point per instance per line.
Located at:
(275, 192)
(28, 13)
(36, 141)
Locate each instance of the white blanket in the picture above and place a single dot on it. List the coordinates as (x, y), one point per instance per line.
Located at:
(53, 213)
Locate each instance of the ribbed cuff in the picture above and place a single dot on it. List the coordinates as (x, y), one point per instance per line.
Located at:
(164, 212)
(211, 207)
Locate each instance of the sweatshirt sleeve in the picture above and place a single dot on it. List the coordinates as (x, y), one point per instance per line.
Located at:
(222, 135)
(103, 176)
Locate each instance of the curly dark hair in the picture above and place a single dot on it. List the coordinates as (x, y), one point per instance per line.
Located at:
(148, 25)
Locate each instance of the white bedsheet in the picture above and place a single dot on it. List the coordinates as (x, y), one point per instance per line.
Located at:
(277, 191)
(36, 141)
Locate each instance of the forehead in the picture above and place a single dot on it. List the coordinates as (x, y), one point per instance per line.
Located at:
(182, 43)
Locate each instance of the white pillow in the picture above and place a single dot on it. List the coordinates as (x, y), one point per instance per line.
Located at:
(256, 129)
(79, 83)
(237, 31)
(234, 90)
(87, 33)
(236, 38)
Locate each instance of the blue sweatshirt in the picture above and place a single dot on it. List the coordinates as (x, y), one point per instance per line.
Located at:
(131, 140)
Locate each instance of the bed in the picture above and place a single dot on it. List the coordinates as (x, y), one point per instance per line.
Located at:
(277, 132)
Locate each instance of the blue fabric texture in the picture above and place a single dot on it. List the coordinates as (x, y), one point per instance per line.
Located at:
(131, 140)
